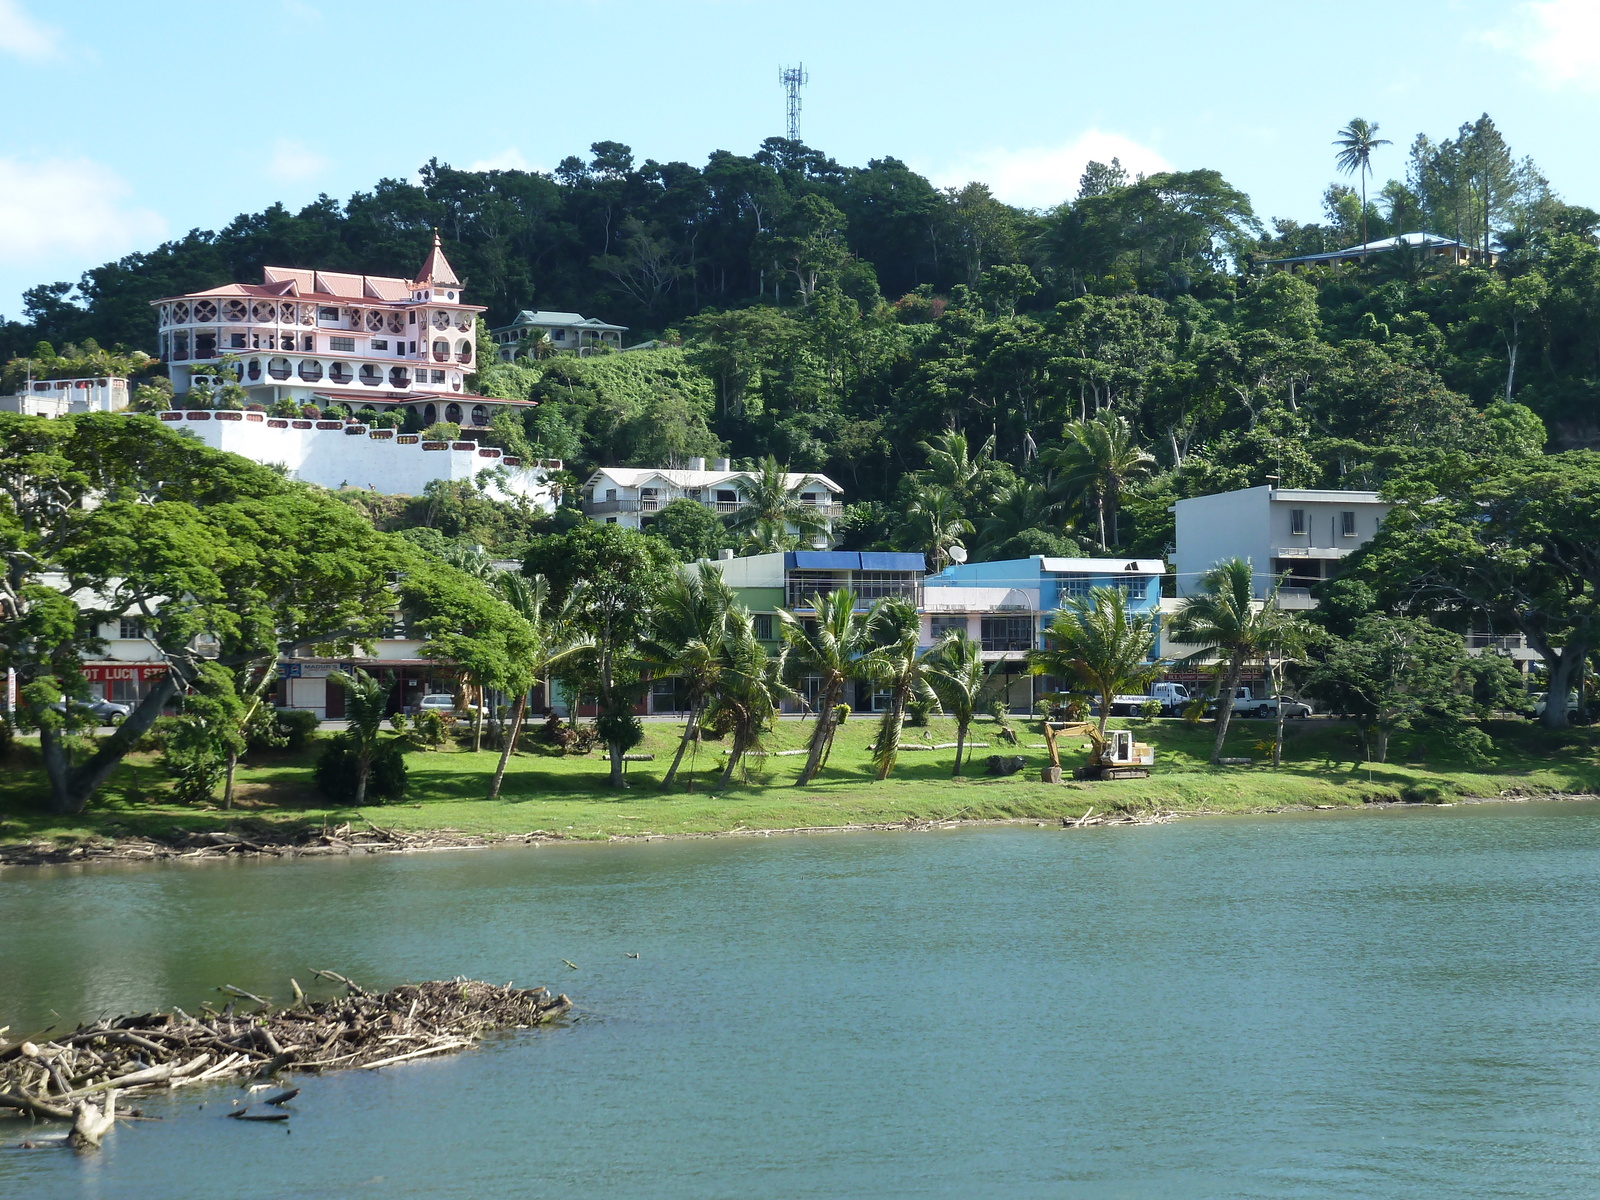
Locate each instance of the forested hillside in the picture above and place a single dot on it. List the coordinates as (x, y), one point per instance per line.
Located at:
(1101, 357)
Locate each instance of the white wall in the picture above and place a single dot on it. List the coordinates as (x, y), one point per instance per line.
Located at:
(333, 458)
(1212, 529)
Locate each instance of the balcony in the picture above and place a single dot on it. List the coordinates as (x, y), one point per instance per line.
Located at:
(1296, 599)
(601, 508)
(798, 592)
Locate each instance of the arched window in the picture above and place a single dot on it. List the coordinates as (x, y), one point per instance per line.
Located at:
(441, 351)
(399, 377)
(340, 372)
(463, 351)
(278, 368)
(480, 415)
(430, 414)
(253, 369)
(370, 375)
(452, 412)
(311, 370)
(180, 345)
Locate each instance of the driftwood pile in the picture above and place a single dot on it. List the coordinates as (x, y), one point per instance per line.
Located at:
(67, 1078)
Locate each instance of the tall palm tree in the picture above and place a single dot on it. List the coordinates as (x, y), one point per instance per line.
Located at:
(935, 524)
(744, 696)
(900, 666)
(365, 698)
(1095, 641)
(1226, 619)
(555, 639)
(1017, 508)
(1357, 141)
(690, 622)
(763, 537)
(1095, 466)
(771, 503)
(952, 465)
(962, 681)
(832, 646)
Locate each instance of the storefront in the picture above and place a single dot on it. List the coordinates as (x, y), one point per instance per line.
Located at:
(124, 683)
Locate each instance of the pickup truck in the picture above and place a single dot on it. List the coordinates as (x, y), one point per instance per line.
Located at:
(1171, 696)
(1247, 704)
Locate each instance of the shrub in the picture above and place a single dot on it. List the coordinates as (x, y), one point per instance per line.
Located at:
(1150, 709)
(310, 412)
(284, 407)
(337, 768)
(441, 431)
(918, 711)
(260, 408)
(335, 412)
(430, 728)
(296, 726)
(399, 724)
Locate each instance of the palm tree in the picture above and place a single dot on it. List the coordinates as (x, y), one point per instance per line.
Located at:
(770, 503)
(365, 698)
(763, 537)
(952, 465)
(690, 622)
(744, 695)
(935, 524)
(555, 639)
(1357, 141)
(1097, 642)
(962, 681)
(1096, 465)
(901, 667)
(1017, 508)
(831, 646)
(1225, 618)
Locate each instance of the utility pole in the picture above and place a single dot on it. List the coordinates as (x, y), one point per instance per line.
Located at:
(793, 79)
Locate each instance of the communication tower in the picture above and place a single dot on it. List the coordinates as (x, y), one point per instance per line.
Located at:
(793, 79)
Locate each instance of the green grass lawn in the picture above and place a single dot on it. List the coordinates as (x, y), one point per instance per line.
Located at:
(568, 796)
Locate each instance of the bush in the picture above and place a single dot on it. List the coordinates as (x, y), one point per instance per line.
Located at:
(310, 412)
(291, 729)
(918, 711)
(337, 769)
(441, 431)
(335, 412)
(430, 729)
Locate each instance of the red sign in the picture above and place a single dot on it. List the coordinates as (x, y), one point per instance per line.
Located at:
(123, 672)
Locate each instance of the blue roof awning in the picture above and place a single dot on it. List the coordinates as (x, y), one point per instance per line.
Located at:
(822, 560)
(874, 560)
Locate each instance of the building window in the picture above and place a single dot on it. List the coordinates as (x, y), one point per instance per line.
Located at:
(411, 317)
(761, 623)
(342, 344)
(1007, 633)
(380, 343)
(399, 377)
(341, 373)
(611, 493)
(1076, 586)
(278, 368)
(940, 626)
(437, 377)
(559, 335)
(1347, 524)
(308, 343)
(130, 629)
(327, 314)
(311, 370)
(370, 375)
(1297, 521)
(236, 341)
(611, 520)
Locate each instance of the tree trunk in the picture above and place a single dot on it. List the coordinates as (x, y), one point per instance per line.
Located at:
(1380, 744)
(820, 737)
(961, 745)
(1225, 705)
(734, 755)
(508, 744)
(1563, 665)
(614, 750)
(477, 720)
(688, 736)
(363, 771)
(71, 787)
(227, 785)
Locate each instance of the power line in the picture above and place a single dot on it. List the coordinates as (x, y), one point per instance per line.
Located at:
(793, 79)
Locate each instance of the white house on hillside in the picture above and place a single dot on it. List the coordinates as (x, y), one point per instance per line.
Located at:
(569, 332)
(629, 496)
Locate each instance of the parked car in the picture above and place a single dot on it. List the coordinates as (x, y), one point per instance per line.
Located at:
(1172, 697)
(445, 705)
(1541, 699)
(1247, 704)
(107, 712)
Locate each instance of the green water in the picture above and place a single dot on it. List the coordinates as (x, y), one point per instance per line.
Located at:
(1394, 1004)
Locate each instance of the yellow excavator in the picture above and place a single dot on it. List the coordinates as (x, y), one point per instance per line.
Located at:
(1114, 756)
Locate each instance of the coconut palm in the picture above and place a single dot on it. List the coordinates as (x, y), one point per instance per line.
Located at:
(1017, 508)
(690, 622)
(962, 681)
(1095, 466)
(1096, 642)
(365, 698)
(832, 647)
(1357, 141)
(555, 639)
(764, 537)
(1224, 618)
(900, 666)
(934, 524)
(952, 465)
(772, 505)
(744, 695)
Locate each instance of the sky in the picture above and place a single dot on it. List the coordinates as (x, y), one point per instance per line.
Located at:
(134, 121)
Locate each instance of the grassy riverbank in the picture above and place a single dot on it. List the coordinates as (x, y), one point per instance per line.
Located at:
(568, 796)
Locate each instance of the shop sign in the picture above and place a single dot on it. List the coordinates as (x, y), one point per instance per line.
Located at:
(123, 672)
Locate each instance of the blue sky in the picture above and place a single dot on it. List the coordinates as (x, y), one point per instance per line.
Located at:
(134, 121)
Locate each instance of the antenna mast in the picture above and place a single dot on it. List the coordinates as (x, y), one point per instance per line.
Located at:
(793, 79)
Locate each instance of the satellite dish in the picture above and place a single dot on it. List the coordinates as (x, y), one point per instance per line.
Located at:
(958, 554)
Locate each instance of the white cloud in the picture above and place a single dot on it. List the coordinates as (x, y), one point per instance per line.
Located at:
(295, 162)
(69, 209)
(25, 37)
(509, 159)
(1043, 176)
(1560, 39)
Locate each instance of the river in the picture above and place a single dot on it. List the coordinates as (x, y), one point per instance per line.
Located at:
(1402, 1003)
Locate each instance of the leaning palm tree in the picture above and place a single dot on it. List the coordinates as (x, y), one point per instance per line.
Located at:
(555, 638)
(962, 681)
(831, 647)
(1357, 141)
(770, 502)
(900, 666)
(1095, 466)
(1225, 619)
(1096, 642)
(935, 524)
(690, 621)
(365, 698)
(744, 696)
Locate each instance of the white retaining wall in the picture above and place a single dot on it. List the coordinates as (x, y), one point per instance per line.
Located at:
(329, 454)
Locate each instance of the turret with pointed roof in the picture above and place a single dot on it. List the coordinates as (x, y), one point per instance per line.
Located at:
(436, 269)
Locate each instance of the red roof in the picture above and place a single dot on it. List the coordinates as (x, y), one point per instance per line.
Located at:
(436, 268)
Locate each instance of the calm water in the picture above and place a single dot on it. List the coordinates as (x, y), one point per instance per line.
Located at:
(1372, 1005)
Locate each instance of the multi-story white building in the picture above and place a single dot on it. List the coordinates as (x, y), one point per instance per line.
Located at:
(630, 496)
(567, 332)
(62, 397)
(1299, 535)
